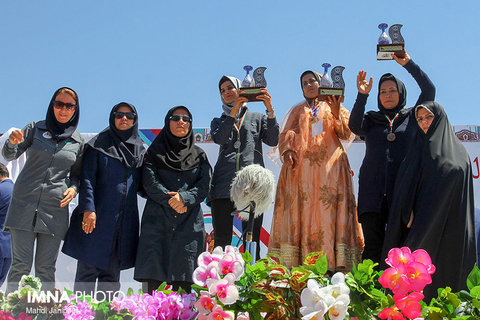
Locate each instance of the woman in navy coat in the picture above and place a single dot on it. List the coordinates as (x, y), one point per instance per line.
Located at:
(103, 233)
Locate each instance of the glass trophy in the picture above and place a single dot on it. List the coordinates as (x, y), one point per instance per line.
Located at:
(334, 86)
(251, 87)
(392, 43)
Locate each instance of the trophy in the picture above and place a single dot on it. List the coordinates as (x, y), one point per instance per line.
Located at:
(329, 87)
(251, 87)
(390, 44)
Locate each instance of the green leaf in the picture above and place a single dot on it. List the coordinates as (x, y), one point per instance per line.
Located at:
(473, 279)
(321, 266)
(247, 257)
(130, 292)
(475, 291)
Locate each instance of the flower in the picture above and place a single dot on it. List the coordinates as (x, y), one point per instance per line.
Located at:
(397, 257)
(80, 311)
(392, 313)
(418, 274)
(395, 279)
(410, 305)
(218, 314)
(423, 257)
(203, 273)
(339, 308)
(230, 264)
(205, 303)
(224, 289)
(315, 300)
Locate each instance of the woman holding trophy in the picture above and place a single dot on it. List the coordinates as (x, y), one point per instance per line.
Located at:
(240, 133)
(386, 133)
(315, 206)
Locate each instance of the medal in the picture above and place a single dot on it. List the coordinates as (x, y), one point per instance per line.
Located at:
(391, 136)
(237, 144)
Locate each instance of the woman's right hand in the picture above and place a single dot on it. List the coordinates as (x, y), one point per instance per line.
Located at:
(16, 137)
(89, 221)
(363, 86)
(289, 158)
(239, 102)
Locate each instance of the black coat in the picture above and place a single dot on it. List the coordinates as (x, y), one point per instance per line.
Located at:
(110, 189)
(383, 158)
(435, 184)
(256, 128)
(170, 243)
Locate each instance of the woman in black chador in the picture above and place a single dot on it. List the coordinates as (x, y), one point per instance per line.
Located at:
(433, 205)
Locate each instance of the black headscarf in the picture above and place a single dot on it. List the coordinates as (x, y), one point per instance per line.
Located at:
(379, 116)
(123, 145)
(173, 153)
(227, 108)
(435, 182)
(62, 131)
(317, 76)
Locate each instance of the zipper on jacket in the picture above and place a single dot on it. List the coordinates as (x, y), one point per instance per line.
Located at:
(43, 186)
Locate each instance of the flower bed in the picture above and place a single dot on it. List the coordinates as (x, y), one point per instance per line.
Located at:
(228, 287)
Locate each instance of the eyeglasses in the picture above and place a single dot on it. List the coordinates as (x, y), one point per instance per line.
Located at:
(177, 118)
(428, 118)
(128, 115)
(60, 105)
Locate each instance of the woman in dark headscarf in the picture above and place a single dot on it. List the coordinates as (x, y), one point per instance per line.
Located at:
(103, 234)
(38, 211)
(176, 178)
(433, 205)
(315, 205)
(386, 134)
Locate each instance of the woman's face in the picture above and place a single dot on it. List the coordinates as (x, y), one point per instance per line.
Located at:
(310, 86)
(180, 123)
(228, 92)
(64, 107)
(424, 119)
(124, 118)
(389, 94)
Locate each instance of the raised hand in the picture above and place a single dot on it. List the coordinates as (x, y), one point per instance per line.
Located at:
(402, 61)
(363, 86)
(16, 137)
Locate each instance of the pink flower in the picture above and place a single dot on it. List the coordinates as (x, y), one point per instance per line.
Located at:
(203, 273)
(398, 257)
(206, 257)
(219, 314)
(228, 264)
(391, 314)
(418, 274)
(396, 280)
(205, 303)
(224, 289)
(422, 256)
(410, 305)
(243, 316)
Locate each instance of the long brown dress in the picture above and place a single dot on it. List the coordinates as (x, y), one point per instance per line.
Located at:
(315, 208)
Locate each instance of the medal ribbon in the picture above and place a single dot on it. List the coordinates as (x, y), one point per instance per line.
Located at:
(237, 127)
(391, 121)
(313, 110)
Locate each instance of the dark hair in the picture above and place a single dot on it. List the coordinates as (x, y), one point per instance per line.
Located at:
(4, 171)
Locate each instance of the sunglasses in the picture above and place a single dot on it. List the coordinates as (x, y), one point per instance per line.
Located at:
(177, 118)
(60, 105)
(128, 115)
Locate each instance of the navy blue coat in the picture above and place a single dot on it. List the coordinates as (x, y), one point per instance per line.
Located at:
(110, 189)
(383, 158)
(6, 188)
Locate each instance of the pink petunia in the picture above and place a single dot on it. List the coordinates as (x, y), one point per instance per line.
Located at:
(396, 280)
(422, 256)
(391, 314)
(410, 305)
(418, 274)
(219, 314)
(399, 256)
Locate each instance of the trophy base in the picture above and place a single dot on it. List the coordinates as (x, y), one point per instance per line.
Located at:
(251, 93)
(324, 93)
(384, 51)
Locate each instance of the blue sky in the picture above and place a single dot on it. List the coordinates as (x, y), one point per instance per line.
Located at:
(157, 54)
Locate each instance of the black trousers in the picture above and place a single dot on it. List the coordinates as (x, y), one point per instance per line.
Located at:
(373, 226)
(223, 224)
